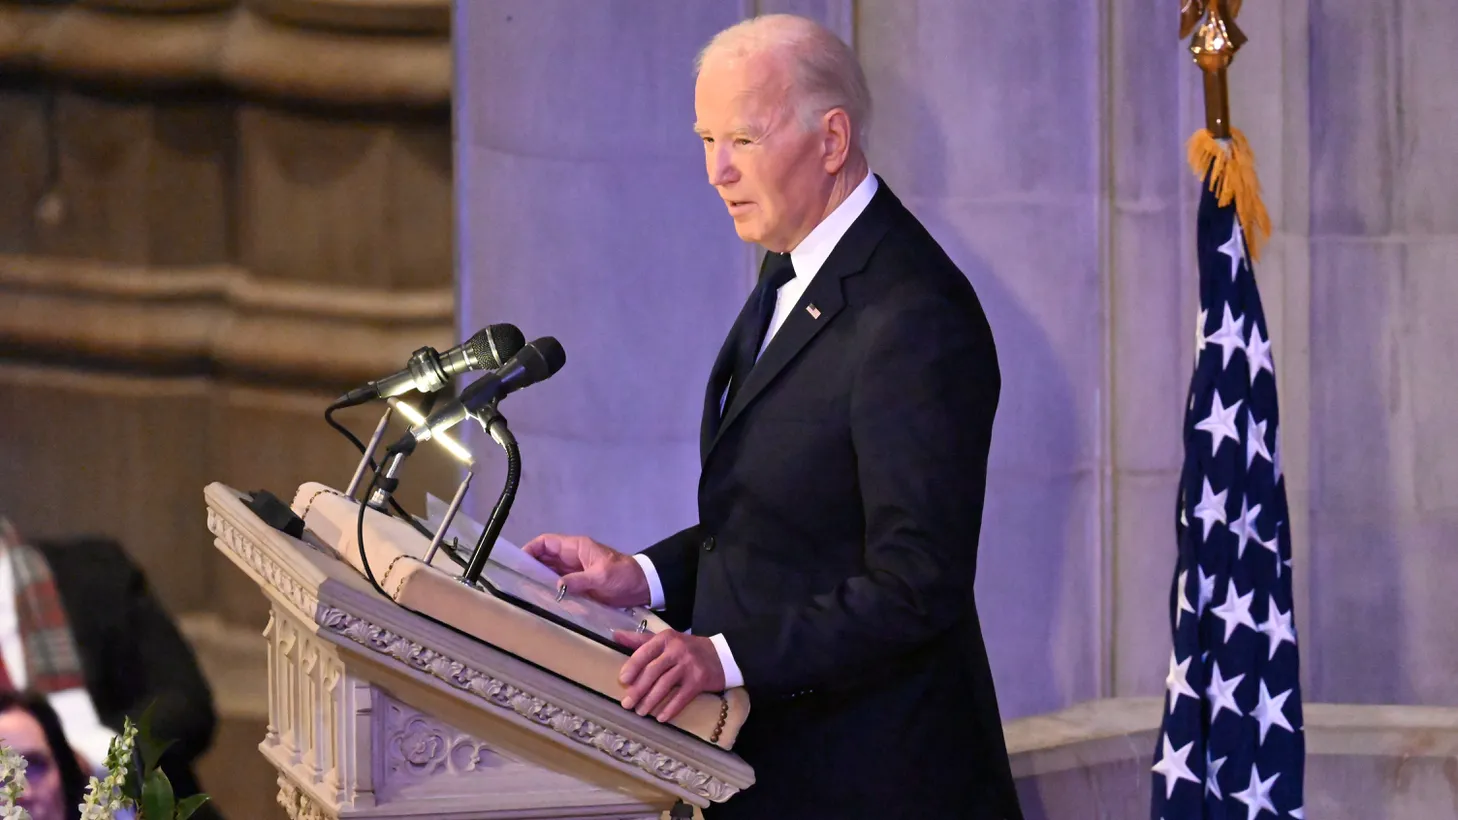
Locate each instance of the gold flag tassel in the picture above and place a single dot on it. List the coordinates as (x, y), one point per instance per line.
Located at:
(1218, 149)
(1231, 167)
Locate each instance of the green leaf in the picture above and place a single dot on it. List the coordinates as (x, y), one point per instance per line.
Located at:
(144, 721)
(132, 784)
(152, 752)
(157, 800)
(190, 805)
(148, 746)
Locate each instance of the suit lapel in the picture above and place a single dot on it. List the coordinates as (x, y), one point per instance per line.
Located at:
(718, 382)
(799, 328)
(825, 295)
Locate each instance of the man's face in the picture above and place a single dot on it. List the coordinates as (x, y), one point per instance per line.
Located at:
(769, 170)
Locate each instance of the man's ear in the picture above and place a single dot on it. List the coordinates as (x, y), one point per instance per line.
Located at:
(835, 127)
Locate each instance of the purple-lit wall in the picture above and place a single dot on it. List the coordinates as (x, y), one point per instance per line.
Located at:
(1043, 145)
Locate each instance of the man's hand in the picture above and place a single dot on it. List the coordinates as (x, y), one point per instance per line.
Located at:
(667, 670)
(592, 569)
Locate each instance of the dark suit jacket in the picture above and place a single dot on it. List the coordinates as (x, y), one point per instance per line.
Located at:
(839, 507)
(132, 653)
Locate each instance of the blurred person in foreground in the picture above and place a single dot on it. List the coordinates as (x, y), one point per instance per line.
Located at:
(55, 784)
(844, 447)
(80, 626)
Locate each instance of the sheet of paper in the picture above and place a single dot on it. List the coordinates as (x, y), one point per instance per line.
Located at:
(504, 553)
(521, 576)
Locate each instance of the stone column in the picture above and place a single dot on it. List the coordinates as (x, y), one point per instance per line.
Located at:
(1383, 459)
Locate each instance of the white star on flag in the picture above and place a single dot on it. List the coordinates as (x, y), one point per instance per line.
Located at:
(1183, 605)
(1200, 334)
(1255, 440)
(1235, 610)
(1277, 626)
(1257, 796)
(1235, 249)
(1230, 336)
(1176, 683)
(1268, 711)
(1220, 424)
(1212, 773)
(1211, 507)
(1207, 589)
(1173, 766)
(1276, 458)
(1244, 526)
(1222, 693)
(1258, 354)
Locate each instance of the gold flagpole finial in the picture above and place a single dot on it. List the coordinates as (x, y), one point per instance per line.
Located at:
(1216, 39)
(1220, 152)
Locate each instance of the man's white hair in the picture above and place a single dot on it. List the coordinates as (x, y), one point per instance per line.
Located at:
(825, 71)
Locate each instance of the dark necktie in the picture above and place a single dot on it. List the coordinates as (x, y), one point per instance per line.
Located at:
(776, 271)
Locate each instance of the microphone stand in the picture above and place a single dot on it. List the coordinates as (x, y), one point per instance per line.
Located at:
(494, 423)
(367, 461)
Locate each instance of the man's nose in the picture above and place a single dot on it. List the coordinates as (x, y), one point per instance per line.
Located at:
(721, 167)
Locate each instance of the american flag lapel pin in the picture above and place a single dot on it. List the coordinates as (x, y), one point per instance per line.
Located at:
(813, 311)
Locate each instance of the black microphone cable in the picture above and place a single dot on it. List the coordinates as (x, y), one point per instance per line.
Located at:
(364, 560)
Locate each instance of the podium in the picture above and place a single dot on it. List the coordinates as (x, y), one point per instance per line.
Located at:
(376, 711)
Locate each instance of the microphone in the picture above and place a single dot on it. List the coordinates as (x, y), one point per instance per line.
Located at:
(429, 371)
(535, 362)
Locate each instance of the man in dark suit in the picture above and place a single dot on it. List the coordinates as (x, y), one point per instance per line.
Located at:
(845, 438)
(132, 654)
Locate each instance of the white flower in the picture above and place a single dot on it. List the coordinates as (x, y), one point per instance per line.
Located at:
(12, 783)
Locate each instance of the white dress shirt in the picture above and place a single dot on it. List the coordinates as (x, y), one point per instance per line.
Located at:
(807, 258)
(83, 728)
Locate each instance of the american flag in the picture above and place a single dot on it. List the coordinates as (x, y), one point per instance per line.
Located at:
(1231, 744)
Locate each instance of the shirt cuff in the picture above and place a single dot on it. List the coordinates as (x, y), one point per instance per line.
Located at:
(732, 676)
(655, 586)
(83, 729)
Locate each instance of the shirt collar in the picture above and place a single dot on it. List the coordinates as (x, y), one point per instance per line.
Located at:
(809, 256)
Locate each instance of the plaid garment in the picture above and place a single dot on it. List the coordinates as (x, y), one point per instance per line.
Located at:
(52, 661)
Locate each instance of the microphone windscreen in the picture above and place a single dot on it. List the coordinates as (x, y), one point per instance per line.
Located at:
(493, 345)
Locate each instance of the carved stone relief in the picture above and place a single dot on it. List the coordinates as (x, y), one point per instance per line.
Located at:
(418, 747)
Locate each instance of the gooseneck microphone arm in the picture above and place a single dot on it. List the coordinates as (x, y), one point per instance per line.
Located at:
(495, 424)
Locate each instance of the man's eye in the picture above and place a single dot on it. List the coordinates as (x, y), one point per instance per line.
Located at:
(707, 140)
(741, 141)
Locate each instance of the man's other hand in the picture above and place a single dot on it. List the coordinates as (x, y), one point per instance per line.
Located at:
(592, 569)
(667, 670)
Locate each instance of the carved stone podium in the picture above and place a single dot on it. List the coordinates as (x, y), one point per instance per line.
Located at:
(376, 711)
